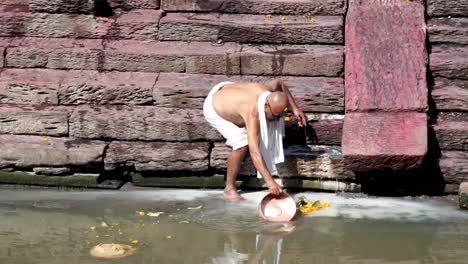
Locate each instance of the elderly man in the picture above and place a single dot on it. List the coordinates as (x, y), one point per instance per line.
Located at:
(236, 111)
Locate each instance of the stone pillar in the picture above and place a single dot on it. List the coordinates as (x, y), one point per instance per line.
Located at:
(385, 85)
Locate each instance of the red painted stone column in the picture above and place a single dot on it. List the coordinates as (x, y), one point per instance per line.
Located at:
(385, 124)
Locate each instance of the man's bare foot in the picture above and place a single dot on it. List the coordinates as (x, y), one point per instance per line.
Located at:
(232, 195)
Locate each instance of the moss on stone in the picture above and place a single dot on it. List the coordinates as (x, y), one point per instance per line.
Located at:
(77, 180)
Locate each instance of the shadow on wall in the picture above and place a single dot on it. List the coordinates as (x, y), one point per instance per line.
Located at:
(426, 180)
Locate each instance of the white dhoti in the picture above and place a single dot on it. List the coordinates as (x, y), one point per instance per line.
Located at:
(236, 137)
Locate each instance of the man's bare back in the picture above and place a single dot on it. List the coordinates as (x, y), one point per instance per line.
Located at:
(234, 102)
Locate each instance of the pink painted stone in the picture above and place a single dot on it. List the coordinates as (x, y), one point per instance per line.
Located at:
(385, 56)
(380, 140)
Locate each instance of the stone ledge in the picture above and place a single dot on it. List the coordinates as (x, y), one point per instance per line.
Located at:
(76, 181)
(447, 8)
(34, 151)
(140, 123)
(136, 24)
(384, 140)
(51, 121)
(448, 30)
(87, 6)
(454, 166)
(312, 94)
(300, 161)
(303, 184)
(251, 28)
(157, 156)
(317, 132)
(450, 95)
(449, 62)
(283, 7)
(304, 60)
(452, 134)
(463, 195)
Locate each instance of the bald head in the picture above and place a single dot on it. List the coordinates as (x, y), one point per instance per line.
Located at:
(278, 102)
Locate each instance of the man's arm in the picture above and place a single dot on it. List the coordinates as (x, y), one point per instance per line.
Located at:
(253, 127)
(278, 85)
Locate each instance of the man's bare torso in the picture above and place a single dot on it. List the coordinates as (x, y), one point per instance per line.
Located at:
(235, 102)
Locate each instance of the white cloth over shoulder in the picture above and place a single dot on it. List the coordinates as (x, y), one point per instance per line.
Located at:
(271, 137)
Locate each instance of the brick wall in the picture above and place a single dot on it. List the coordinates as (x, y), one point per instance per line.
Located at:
(116, 90)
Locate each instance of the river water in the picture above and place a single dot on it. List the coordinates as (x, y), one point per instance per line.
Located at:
(196, 226)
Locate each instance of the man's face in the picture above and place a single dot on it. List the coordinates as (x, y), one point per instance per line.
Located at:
(270, 113)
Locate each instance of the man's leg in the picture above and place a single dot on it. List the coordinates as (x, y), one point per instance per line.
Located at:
(233, 165)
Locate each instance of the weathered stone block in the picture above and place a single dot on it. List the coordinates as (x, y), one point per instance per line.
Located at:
(75, 181)
(54, 53)
(171, 57)
(137, 24)
(454, 166)
(283, 7)
(385, 73)
(216, 181)
(463, 195)
(251, 28)
(449, 62)
(306, 60)
(140, 123)
(317, 132)
(35, 151)
(452, 135)
(384, 140)
(92, 87)
(134, 4)
(450, 95)
(448, 30)
(313, 94)
(300, 161)
(33, 121)
(447, 8)
(62, 6)
(158, 156)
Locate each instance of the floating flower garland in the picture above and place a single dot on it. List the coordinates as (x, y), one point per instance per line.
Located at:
(306, 207)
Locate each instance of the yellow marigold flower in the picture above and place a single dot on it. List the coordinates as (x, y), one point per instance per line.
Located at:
(93, 228)
(45, 139)
(312, 20)
(141, 213)
(287, 118)
(283, 18)
(135, 241)
(268, 16)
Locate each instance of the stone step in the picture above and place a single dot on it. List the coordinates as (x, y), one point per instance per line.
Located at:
(87, 6)
(283, 7)
(454, 166)
(157, 156)
(449, 62)
(447, 8)
(379, 140)
(300, 161)
(73, 181)
(50, 121)
(394, 80)
(448, 30)
(135, 24)
(451, 132)
(450, 94)
(189, 57)
(52, 87)
(140, 123)
(20, 151)
(313, 94)
(302, 60)
(251, 28)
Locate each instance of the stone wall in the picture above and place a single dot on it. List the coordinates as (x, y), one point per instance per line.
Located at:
(447, 28)
(98, 93)
(114, 92)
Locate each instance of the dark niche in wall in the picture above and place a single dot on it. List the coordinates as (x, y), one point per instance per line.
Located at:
(102, 8)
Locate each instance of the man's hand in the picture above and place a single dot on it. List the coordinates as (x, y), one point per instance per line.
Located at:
(274, 188)
(301, 119)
